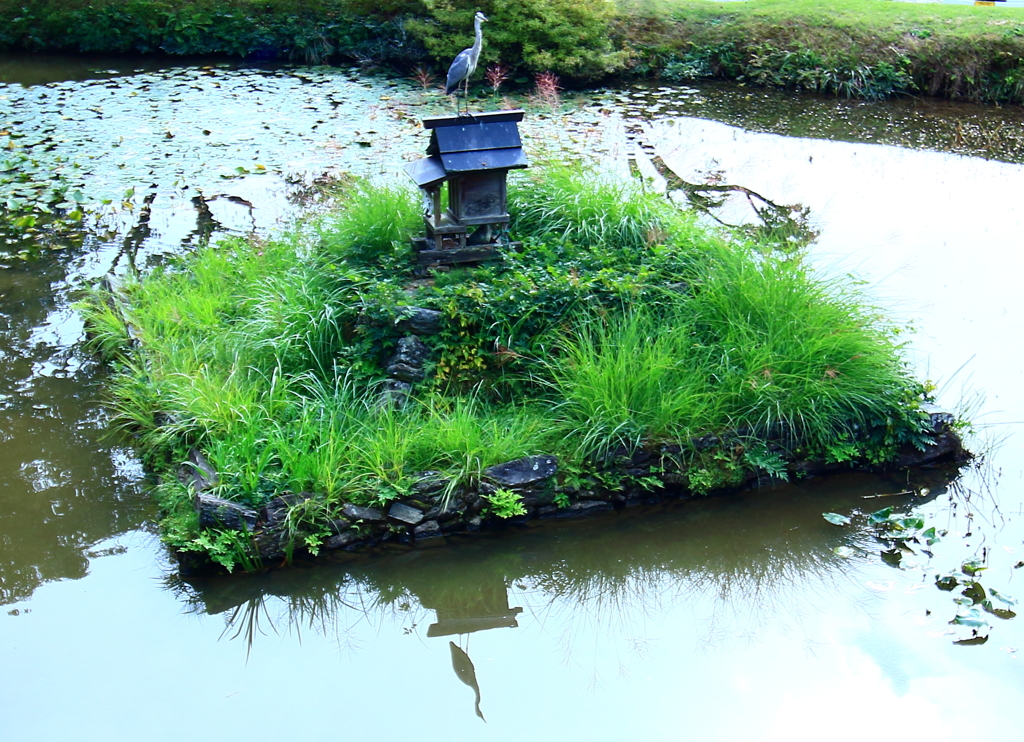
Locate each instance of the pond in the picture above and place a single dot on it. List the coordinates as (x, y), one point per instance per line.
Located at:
(747, 616)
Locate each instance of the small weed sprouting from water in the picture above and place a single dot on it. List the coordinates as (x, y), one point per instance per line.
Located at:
(424, 76)
(496, 76)
(547, 91)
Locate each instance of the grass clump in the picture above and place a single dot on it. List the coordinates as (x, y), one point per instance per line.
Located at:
(622, 324)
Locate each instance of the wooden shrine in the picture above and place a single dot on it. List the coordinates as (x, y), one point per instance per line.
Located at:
(472, 155)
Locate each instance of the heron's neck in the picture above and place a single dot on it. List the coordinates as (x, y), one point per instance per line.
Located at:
(478, 44)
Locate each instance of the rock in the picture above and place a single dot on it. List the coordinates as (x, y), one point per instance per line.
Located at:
(411, 351)
(216, 512)
(275, 511)
(705, 442)
(584, 507)
(405, 514)
(947, 445)
(941, 419)
(396, 394)
(427, 530)
(531, 499)
(405, 372)
(339, 525)
(473, 524)
(456, 523)
(197, 472)
(443, 511)
(421, 321)
(355, 512)
(523, 472)
(429, 483)
(341, 540)
(407, 362)
(270, 545)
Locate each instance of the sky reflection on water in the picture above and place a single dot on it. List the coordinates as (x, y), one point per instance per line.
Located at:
(732, 618)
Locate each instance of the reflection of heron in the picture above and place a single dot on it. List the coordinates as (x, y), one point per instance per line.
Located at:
(465, 63)
(464, 669)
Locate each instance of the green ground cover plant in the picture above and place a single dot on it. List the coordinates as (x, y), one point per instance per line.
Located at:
(857, 48)
(622, 324)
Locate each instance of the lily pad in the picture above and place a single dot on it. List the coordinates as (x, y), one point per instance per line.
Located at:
(836, 519)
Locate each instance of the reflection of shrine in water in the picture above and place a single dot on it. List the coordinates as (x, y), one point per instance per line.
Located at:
(484, 606)
(737, 561)
(464, 609)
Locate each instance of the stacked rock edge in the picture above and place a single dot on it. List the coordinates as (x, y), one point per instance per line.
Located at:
(435, 509)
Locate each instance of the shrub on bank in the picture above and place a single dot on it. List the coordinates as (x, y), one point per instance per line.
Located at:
(858, 48)
(621, 325)
(572, 38)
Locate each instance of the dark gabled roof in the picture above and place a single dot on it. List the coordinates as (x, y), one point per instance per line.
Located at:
(488, 159)
(426, 171)
(474, 137)
(491, 117)
(467, 143)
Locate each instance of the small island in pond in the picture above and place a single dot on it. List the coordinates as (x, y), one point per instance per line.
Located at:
(330, 388)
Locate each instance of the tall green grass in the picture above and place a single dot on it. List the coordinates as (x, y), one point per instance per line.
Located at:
(585, 206)
(757, 344)
(375, 225)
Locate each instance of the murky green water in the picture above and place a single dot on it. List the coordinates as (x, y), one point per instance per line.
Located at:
(736, 618)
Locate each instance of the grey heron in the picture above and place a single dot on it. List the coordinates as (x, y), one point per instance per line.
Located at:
(465, 63)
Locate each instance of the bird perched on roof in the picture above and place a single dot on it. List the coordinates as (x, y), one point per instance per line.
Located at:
(465, 63)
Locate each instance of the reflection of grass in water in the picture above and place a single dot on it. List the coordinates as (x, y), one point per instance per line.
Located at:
(743, 566)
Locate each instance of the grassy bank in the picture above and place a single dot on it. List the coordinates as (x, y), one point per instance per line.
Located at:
(621, 327)
(859, 48)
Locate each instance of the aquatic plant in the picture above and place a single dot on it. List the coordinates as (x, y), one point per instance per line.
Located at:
(547, 91)
(496, 76)
(906, 535)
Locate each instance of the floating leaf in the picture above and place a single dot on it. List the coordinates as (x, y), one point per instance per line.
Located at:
(971, 641)
(973, 566)
(1002, 597)
(892, 557)
(972, 618)
(880, 516)
(975, 592)
(836, 519)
